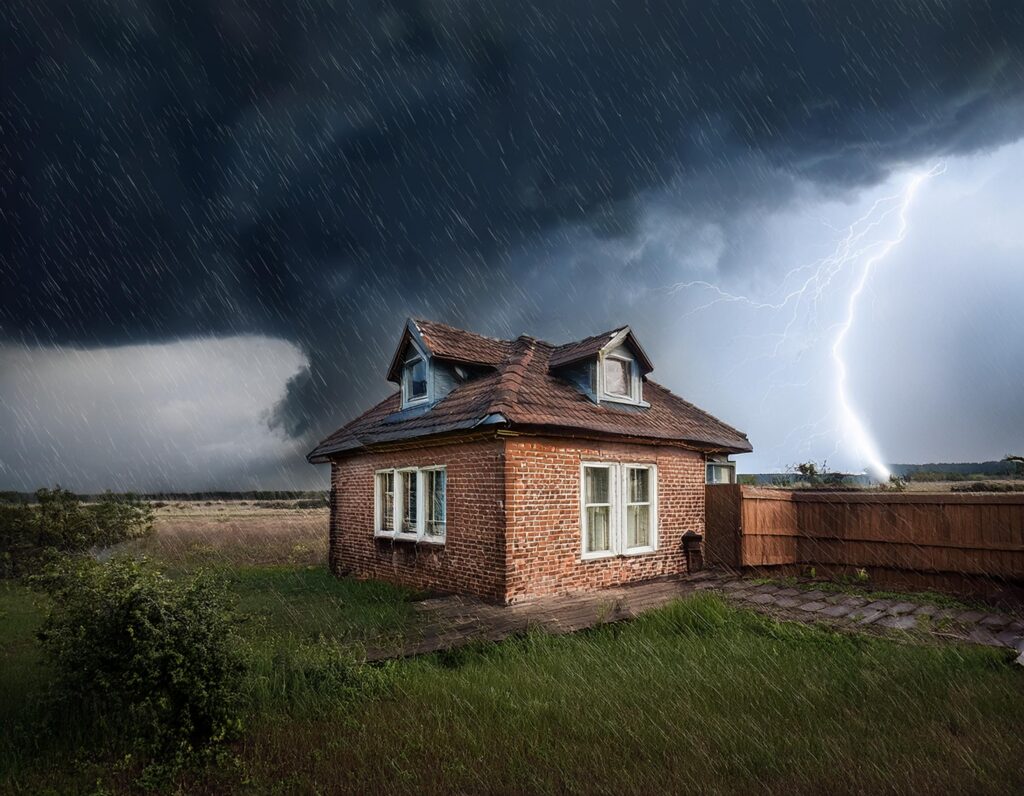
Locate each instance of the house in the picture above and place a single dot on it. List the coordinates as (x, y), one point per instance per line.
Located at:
(511, 469)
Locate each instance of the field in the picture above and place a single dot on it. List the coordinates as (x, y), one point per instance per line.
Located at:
(698, 696)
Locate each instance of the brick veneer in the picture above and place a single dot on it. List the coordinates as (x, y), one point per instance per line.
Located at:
(472, 560)
(513, 517)
(543, 515)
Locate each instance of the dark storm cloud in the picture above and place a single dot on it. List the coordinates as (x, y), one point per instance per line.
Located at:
(316, 170)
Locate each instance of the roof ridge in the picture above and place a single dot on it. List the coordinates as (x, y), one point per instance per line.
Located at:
(506, 393)
(449, 326)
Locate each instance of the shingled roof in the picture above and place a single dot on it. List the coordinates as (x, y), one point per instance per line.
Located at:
(450, 344)
(591, 346)
(524, 391)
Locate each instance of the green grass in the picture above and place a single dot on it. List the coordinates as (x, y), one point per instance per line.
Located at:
(698, 696)
(305, 630)
(303, 604)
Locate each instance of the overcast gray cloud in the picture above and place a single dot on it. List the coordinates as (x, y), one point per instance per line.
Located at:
(186, 415)
(313, 172)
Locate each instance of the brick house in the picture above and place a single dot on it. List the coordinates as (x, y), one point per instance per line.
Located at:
(511, 469)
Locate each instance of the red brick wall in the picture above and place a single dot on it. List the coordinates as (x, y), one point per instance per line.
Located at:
(472, 558)
(543, 515)
(533, 484)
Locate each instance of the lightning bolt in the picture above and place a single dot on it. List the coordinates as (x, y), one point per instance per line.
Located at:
(852, 424)
(856, 247)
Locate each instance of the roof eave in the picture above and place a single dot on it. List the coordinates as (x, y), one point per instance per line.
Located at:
(708, 446)
(323, 454)
(410, 332)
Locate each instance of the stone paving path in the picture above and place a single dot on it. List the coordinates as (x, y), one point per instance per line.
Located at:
(849, 610)
(455, 621)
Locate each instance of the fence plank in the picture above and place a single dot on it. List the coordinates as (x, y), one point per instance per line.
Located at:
(966, 534)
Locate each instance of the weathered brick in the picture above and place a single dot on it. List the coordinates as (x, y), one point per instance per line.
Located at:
(513, 517)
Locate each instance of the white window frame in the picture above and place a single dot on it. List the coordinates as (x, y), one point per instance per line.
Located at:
(617, 494)
(398, 505)
(731, 466)
(407, 398)
(652, 511)
(635, 395)
(400, 473)
(421, 514)
(589, 555)
(378, 503)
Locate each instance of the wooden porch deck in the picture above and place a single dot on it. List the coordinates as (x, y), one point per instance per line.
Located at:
(456, 621)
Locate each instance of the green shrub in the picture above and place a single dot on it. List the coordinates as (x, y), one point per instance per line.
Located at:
(60, 521)
(154, 661)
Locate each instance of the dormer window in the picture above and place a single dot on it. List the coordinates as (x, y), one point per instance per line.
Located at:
(619, 377)
(414, 378)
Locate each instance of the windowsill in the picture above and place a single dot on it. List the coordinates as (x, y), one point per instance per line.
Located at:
(638, 551)
(622, 401)
(409, 539)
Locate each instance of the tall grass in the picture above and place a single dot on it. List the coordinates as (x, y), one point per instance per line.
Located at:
(304, 633)
(697, 697)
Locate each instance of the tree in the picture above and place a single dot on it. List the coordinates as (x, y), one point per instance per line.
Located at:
(58, 520)
(1018, 464)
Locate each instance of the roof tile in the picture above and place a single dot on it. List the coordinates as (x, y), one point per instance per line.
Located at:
(526, 393)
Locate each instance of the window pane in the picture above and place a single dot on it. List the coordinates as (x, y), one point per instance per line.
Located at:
(409, 502)
(416, 376)
(598, 535)
(638, 486)
(638, 526)
(617, 376)
(436, 489)
(596, 481)
(387, 501)
(720, 474)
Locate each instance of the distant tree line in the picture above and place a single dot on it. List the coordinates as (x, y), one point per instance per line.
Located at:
(56, 520)
(947, 471)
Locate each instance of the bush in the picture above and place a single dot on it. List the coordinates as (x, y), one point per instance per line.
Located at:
(59, 521)
(155, 660)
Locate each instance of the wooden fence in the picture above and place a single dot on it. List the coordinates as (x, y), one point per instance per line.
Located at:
(942, 540)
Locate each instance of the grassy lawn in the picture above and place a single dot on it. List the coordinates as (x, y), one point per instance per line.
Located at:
(697, 696)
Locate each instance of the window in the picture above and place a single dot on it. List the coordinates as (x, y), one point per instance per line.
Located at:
(618, 509)
(436, 495)
(638, 507)
(386, 501)
(597, 505)
(721, 472)
(411, 503)
(414, 379)
(618, 377)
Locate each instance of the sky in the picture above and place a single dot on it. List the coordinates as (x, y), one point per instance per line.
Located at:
(216, 217)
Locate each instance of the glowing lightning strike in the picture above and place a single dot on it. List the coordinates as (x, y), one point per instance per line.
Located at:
(856, 246)
(852, 424)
